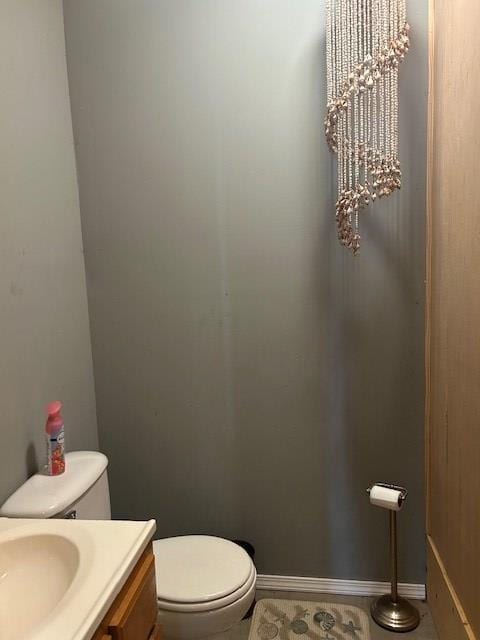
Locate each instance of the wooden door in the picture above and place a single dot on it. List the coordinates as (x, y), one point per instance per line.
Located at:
(453, 320)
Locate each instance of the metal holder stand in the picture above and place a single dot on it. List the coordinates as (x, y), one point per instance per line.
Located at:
(391, 611)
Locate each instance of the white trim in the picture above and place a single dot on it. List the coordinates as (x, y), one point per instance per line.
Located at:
(339, 587)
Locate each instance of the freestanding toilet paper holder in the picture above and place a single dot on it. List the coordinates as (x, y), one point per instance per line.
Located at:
(391, 611)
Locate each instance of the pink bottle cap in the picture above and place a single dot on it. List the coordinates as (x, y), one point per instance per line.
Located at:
(54, 408)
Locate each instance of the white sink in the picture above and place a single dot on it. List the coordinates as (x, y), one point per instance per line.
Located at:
(58, 578)
(35, 574)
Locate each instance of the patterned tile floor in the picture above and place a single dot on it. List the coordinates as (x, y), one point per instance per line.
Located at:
(425, 631)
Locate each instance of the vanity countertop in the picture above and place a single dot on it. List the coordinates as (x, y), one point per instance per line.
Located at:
(90, 561)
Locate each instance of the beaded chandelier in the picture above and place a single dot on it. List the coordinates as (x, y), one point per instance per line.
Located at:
(366, 41)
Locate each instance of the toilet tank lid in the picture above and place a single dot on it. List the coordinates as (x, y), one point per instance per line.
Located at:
(43, 496)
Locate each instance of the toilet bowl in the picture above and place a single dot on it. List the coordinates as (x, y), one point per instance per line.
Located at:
(205, 585)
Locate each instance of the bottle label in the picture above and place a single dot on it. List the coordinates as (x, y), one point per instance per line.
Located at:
(56, 453)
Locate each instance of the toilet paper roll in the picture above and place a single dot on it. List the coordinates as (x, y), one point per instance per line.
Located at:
(386, 498)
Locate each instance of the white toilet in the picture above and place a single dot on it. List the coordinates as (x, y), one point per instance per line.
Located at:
(205, 584)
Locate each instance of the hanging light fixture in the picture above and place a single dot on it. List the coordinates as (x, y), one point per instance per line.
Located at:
(366, 40)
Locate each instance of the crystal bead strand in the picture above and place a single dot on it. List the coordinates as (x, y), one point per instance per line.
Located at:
(361, 149)
(382, 84)
(338, 77)
(348, 160)
(388, 111)
(361, 21)
(338, 72)
(375, 88)
(328, 49)
(336, 37)
(370, 93)
(399, 25)
(395, 32)
(348, 44)
(366, 17)
(356, 100)
(331, 58)
(391, 37)
(388, 97)
(343, 46)
(381, 88)
(341, 33)
(356, 104)
(332, 65)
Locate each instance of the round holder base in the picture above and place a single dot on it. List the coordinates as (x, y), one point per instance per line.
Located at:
(395, 616)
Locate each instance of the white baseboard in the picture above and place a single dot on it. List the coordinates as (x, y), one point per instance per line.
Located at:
(339, 587)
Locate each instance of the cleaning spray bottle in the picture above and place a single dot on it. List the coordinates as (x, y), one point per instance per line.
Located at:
(54, 431)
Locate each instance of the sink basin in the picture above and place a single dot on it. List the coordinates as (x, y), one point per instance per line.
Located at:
(35, 574)
(58, 578)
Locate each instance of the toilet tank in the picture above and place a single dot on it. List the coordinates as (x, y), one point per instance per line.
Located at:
(80, 492)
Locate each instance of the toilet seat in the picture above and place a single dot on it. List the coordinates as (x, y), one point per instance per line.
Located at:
(211, 605)
(201, 573)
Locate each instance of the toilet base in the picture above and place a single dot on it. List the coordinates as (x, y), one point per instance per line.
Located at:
(204, 625)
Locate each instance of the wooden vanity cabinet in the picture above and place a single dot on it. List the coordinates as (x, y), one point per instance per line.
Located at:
(133, 615)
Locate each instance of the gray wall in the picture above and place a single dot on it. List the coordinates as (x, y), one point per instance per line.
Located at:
(252, 378)
(46, 351)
